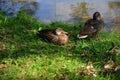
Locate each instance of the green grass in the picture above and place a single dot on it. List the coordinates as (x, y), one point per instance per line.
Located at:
(26, 57)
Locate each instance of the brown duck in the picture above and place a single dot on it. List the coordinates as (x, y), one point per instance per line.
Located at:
(57, 36)
(92, 27)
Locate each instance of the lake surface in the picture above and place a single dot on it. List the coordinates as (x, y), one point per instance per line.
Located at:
(73, 11)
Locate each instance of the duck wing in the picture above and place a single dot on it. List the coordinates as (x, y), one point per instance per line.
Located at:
(44, 34)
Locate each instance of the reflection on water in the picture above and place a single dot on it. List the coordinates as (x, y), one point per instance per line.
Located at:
(79, 12)
(65, 10)
(12, 7)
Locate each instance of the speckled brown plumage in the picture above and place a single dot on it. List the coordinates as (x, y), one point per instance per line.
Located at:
(57, 36)
(92, 27)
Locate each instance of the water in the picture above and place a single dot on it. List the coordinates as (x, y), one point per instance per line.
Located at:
(73, 11)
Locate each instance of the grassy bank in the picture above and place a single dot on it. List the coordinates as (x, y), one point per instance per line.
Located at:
(23, 56)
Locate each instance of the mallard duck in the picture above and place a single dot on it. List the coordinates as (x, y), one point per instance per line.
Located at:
(92, 27)
(58, 35)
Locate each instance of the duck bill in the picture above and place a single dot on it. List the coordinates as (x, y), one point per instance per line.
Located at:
(66, 33)
(82, 37)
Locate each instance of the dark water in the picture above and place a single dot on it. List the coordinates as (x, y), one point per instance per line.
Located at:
(66, 10)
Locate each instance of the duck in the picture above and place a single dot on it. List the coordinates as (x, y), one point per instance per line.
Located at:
(57, 36)
(92, 27)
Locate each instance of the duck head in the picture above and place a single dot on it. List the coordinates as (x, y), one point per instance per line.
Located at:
(60, 31)
(96, 16)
